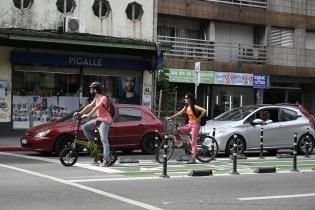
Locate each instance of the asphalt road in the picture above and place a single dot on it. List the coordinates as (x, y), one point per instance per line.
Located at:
(30, 181)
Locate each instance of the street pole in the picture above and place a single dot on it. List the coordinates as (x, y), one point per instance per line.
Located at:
(197, 77)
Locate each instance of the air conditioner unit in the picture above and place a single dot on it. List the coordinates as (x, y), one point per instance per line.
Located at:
(74, 25)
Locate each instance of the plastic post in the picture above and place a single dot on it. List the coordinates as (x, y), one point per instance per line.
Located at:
(234, 156)
(212, 144)
(294, 169)
(261, 156)
(307, 142)
(164, 175)
(156, 140)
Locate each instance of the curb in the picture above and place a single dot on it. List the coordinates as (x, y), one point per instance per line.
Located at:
(17, 148)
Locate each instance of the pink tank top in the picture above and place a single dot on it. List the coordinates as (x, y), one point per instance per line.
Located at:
(102, 113)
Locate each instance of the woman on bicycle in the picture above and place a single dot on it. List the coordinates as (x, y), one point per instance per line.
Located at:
(102, 122)
(193, 125)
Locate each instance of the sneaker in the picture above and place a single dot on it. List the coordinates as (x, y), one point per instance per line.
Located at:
(192, 161)
(106, 163)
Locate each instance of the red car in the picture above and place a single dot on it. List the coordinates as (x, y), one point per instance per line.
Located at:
(133, 128)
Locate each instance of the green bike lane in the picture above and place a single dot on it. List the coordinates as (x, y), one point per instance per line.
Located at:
(220, 166)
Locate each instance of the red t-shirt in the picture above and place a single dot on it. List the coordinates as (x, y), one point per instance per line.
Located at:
(102, 113)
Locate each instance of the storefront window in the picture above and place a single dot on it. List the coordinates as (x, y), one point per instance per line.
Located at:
(40, 97)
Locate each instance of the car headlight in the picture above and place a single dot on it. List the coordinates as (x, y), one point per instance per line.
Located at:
(42, 134)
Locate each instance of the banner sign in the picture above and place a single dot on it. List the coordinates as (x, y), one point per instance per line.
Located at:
(188, 76)
(78, 61)
(230, 78)
(261, 81)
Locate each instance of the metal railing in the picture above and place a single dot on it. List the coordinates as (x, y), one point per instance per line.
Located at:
(209, 50)
(246, 3)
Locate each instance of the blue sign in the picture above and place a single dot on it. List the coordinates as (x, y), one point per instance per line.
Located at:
(78, 61)
(261, 81)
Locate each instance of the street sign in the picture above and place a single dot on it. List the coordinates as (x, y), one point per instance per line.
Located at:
(197, 77)
(197, 73)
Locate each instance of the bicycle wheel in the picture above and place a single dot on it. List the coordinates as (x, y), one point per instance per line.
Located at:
(207, 148)
(159, 155)
(68, 156)
(113, 156)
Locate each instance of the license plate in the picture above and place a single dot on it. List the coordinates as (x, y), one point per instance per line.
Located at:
(24, 141)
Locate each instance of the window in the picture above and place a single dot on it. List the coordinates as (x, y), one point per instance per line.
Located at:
(134, 11)
(101, 8)
(65, 6)
(288, 115)
(23, 4)
(310, 40)
(129, 114)
(281, 37)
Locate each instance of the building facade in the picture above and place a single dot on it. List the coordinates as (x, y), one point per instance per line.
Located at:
(250, 51)
(51, 50)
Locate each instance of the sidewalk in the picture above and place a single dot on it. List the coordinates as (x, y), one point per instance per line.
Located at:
(11, 143)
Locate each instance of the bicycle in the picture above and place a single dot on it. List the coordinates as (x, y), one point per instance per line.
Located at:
(207, 146)
(69, 155)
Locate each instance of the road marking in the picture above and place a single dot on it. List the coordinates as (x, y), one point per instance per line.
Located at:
(113, 179)
(276, 197)
(100, 192)
(81, 165)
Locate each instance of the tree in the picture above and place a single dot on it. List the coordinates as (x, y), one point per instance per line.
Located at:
(168, 91)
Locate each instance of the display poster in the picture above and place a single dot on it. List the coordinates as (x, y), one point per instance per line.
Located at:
(230, 78)
(129, 90)
(261, 81)
(188, 76)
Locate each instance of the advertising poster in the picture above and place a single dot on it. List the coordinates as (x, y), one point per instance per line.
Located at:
(230, 78)
(129, 90)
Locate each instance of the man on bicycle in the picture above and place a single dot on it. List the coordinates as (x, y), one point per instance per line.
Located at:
(100, 104)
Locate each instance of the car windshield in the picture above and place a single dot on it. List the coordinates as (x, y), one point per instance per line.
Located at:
(67, 117)
(236, 114)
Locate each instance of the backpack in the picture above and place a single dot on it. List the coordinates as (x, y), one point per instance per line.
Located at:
(111, 108)
(203, 120)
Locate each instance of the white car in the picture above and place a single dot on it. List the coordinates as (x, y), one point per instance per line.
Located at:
(286, 119)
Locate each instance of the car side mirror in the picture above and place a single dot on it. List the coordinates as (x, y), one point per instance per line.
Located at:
(257, 122)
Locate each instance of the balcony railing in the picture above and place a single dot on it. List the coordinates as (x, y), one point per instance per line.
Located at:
(209, 50)
(246, 3)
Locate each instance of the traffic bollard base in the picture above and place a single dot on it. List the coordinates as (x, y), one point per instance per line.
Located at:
(239, 156)
(265, 170)
(284, 155)
(294, 170)
(234, 173)
(200, 173)
(127, 160)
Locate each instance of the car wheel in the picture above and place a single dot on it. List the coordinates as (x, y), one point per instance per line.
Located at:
(272, 152)
(241, 145)
(63, 142)
(147, 145)
(301, 146)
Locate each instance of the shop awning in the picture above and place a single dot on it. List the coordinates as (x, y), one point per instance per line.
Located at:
(54, 40)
